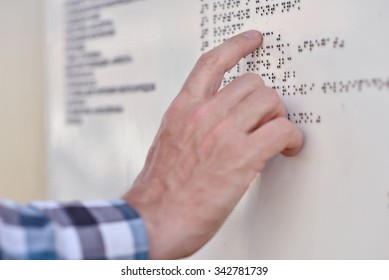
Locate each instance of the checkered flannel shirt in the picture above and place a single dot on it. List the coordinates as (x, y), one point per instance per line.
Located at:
(81, 230)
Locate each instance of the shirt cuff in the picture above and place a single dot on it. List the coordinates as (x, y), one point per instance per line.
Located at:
(78, 230)
(110, 230)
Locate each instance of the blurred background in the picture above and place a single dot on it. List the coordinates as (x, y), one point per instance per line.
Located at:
(22, 176)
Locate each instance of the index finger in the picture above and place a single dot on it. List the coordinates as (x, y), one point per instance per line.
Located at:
(207, 75)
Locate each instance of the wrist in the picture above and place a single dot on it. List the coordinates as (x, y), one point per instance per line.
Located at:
(136, 200)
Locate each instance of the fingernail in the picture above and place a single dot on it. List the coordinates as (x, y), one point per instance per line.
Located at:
(252, 34)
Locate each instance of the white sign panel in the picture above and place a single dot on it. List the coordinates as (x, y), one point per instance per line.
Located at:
(113, 67)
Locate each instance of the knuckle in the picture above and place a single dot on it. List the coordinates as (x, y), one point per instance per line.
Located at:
(259, 165)
(173, 112)
(284, 127)
(257, 101)
(254, 80)
(222, 128)
(210, 58)
(219, 132)
(168, 117)
(198, 114)
(238, 41)
(273, 99)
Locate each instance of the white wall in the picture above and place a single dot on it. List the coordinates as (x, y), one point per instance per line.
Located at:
(21, 100)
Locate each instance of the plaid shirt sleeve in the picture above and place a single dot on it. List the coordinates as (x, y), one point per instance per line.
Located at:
(80, 230)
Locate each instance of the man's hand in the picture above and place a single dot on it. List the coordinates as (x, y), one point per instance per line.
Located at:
(210, 146)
